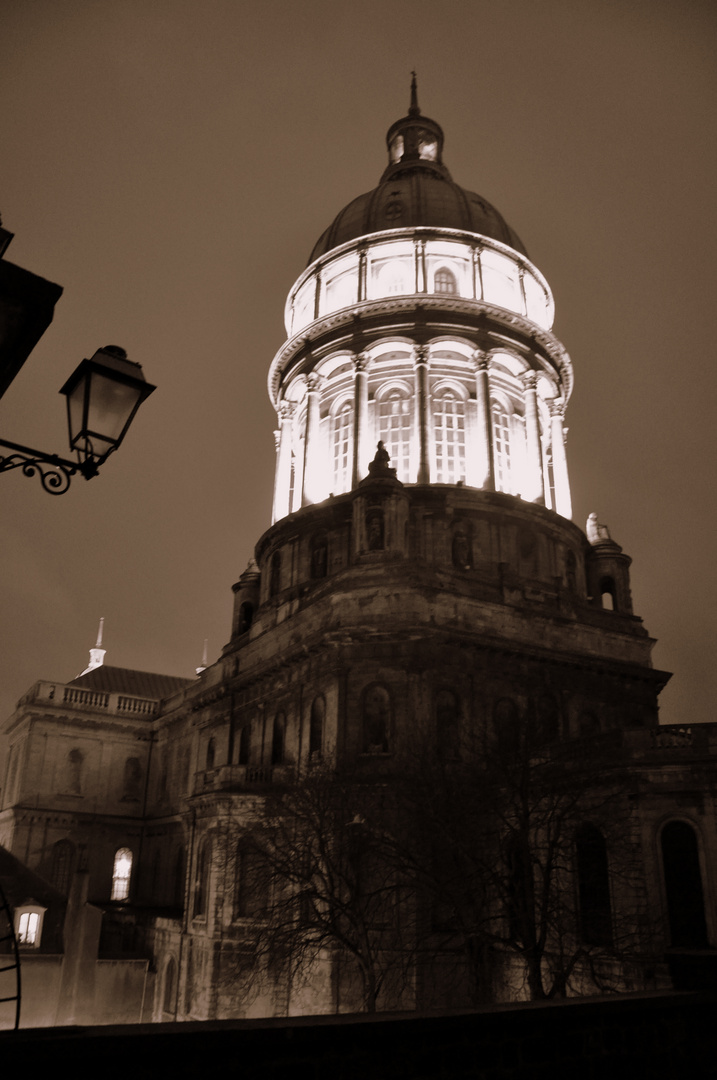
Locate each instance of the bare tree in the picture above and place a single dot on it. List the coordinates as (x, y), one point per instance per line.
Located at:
(521, 845)
(317, 877)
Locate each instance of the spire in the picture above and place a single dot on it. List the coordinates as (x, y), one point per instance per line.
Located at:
(413, 108)
(97, 655)
(204, 662)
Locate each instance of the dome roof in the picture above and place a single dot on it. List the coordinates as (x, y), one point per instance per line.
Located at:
(416, 189)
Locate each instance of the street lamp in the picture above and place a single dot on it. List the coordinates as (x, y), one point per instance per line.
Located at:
(103, 395)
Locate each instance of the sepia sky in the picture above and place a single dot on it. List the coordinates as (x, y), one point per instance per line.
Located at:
(171, 163)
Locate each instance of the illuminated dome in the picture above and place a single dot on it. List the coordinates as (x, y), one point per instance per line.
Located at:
(416, 189)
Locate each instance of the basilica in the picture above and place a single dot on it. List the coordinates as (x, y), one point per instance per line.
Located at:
(427, 770)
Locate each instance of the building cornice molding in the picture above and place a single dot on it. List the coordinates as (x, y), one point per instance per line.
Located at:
(420, 315)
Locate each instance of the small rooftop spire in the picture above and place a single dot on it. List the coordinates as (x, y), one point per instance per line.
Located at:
(97, 655)
(413, 109)
(203, 665)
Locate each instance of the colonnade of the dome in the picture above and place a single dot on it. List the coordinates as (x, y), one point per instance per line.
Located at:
(447, 413)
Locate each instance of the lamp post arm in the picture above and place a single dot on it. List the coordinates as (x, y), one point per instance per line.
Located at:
(55, 472)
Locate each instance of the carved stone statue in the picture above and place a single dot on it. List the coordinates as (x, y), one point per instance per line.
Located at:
(379, 466)
(596, 533)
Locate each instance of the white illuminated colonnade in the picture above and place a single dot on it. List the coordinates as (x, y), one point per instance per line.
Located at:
(436, 340)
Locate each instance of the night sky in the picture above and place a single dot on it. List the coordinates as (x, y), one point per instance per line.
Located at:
(171, 163)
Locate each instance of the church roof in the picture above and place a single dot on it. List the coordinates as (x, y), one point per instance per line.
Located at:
(416, 189)
(145, 684)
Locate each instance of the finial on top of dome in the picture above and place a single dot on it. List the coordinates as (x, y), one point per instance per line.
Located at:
(413, 109)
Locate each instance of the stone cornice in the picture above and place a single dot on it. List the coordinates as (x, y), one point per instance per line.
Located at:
(427, 315)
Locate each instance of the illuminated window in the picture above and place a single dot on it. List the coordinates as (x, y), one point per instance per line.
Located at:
(444, 281)
(121, 874)
(343, 448)
(395, 430)
(449, 421)
(501, 446)
(28, 923)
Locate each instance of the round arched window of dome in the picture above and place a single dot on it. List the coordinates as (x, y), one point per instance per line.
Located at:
(445, 281)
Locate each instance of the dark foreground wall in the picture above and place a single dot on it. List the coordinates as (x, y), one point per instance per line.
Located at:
(654, 1036)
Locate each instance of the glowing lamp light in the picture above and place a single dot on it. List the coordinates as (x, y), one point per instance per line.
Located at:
(103, 394)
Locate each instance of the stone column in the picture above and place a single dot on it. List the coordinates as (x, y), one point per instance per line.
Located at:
(481, 364)
(362, 275)
(362, 454)
(532, 437)
(282, 483)
(309, 491)
(421, 360)
(563, 504)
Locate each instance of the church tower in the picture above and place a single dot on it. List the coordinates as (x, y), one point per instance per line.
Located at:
(421, 601)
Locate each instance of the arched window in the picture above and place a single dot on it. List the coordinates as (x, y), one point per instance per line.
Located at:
(277, 739)
(450, 444)
(244, 744)
(178, 878)
(588, 724)
(201, 879)
(448, 719)
(75, 761)
(246, 615)
(376, 720)
(547, 716)
(275, 575)
(594, 914)
(252, 882)
(394, 412)
(121, 874)
(501, 446)
(342, 444)
(316, 727)
(169, 998)
(506, 719)
(132, 780)
(393, 280)
(61, 866)
(607, 594)
(211, 753)
(319, 555)
(445, 281)
(683, 886)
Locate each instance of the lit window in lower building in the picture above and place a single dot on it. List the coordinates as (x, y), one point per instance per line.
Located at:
(28, 927)
(121, 874)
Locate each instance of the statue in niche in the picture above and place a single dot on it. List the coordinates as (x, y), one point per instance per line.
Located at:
(376, 720)
(461, 549)
(596, 533)
(318, 557)
(379, 467)
(374, 529)
(571, 579)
